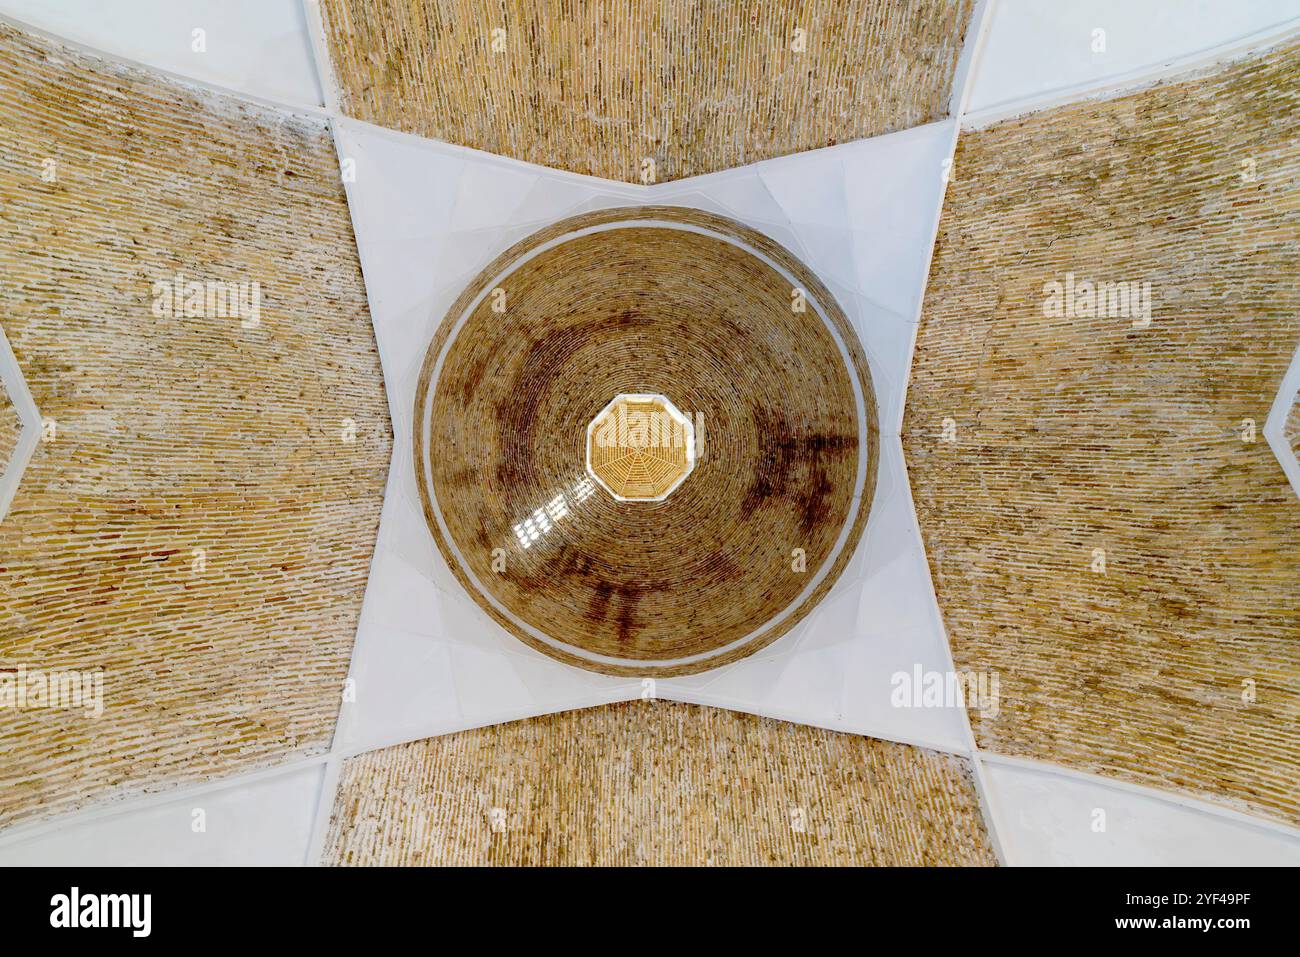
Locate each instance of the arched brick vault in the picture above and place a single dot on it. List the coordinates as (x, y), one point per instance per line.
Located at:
(600, 87)
(1078, 433)
(178, 433)
(656, 783)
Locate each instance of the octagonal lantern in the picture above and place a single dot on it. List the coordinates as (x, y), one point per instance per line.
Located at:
(640, 447)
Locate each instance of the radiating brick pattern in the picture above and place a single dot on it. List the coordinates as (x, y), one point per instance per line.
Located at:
(656, 783)
(703, 578)
(1178, 665)
(201, 526)
(600, 87)
(11, 427)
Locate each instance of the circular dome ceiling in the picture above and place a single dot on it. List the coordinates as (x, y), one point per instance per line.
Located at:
(646, 440)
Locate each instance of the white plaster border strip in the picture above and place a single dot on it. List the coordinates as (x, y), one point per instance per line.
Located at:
(320, 824)
(326, 78)
(15, 386)
(1136, 79)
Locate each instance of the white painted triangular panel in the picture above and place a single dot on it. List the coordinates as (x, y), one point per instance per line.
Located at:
(428, 218)
(14, 391)
(1047, 818)
(262, 820)
(1288, 398)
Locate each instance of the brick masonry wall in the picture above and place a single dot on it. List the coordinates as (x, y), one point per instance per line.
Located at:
(1178, 665)
(656, 783)
(201, 526)
(598, 88)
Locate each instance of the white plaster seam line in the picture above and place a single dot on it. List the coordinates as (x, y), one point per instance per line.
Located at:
(1275, 424)
(504, 716)
(963, 77)
(1176, 798)
(836, 727)
(11, 374)
(316, 111)
(1137, 79)
(631, 190)
(984, 793)
(326, 77)
(329, 784)
(987, 794)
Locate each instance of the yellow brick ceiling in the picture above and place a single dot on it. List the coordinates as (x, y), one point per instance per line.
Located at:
(200, 526)
(1108, 529)
(656, 783)
(603, 88)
